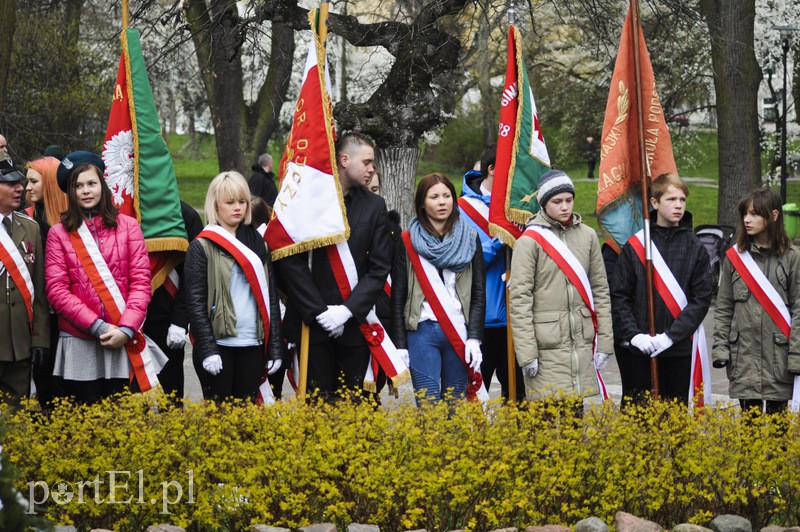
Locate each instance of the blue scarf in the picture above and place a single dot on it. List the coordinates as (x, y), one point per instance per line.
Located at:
(454, 252)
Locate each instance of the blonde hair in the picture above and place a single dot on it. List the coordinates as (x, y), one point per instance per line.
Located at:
(53, 198)
(227, 186)
(660, 185)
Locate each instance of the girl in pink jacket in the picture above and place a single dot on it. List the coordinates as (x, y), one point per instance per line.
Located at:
(98, 280)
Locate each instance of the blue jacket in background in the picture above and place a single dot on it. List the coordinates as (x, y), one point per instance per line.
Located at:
(493, 254)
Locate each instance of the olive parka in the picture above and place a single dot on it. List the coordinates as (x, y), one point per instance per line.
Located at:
(549, 320)
(760, 358)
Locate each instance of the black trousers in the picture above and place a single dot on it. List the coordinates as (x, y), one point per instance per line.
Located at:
(89, 392)
(334, 367)
(772, 407)
(634, 370)
(15, 379)
(240, 376)
(171, 375)
(49, 386)
(495, 359)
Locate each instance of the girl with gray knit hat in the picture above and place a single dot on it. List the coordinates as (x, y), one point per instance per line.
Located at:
(560, 305)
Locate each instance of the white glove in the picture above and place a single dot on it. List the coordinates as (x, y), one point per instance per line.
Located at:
(334, 317)
(273, 366)
(661, 342)
(213, 364)
(337, 332)
(403, 354)
(600, 360)
(531, 369)
(176, 336)
(644, 343)
(472, 354)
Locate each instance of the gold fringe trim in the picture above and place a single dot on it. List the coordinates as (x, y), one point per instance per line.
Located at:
(499, 232)
(134, 126)
(150, 397)
(370, 386)
(308, 245)
(161, 275)
(327, 113)
(515, 214)
(519, 216)
(167, 243)
(400, 378)
(521, 101)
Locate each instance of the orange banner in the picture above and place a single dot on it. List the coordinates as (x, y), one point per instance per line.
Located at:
(620, 166)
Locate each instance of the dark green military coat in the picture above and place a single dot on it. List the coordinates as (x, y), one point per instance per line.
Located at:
(16, 337)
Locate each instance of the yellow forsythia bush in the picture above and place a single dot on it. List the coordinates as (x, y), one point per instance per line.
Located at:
(125, 465)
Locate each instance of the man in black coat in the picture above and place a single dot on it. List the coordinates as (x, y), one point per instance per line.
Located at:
(167, 317)
(338, 353)
(262, 182)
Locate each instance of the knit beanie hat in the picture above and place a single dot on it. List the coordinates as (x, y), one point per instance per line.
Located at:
(554, 182)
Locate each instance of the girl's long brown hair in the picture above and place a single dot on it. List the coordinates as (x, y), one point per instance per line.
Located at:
(764, 201)
(73, 217)
(54, 201)
(424, 186)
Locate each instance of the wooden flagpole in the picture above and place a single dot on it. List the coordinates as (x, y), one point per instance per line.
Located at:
(644, 169)
(510, 356)
(322, 30)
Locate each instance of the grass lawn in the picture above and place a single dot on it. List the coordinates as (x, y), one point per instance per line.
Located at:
(695, 153)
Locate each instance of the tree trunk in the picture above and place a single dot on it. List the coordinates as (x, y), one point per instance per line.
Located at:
(263, 116)
(736, 80)
(172, 109)
(219, 58)
(796, 81)
(399, 167)
(7, 25)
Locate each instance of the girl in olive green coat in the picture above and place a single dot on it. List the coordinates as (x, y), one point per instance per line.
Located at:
(761, 359)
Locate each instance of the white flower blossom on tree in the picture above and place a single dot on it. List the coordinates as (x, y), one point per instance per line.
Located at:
(118, 158)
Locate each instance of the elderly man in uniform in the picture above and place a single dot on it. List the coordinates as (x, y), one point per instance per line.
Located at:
(24, 320)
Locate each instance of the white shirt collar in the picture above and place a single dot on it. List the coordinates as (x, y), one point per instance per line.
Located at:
(485, 192)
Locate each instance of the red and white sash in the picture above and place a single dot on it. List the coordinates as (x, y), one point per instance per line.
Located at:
(18, 270)
(144, 365)
(768, 297)
(674, 298)
(568, 263)
(477, 211)
(253, 270)
(172, 283)
(443, 308)
(380, 345)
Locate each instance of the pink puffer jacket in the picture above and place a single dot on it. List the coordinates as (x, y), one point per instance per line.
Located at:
(71, 293)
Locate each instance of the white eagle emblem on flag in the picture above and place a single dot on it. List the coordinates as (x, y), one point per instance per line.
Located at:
(118, 158)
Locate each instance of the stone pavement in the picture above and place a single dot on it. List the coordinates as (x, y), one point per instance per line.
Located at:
(719, 380)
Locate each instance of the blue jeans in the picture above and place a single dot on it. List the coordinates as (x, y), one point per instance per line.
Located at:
(435, 366)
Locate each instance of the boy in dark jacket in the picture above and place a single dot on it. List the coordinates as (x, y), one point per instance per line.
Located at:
(688, 261)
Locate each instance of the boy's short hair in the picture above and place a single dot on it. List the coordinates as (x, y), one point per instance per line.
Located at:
(660, 185)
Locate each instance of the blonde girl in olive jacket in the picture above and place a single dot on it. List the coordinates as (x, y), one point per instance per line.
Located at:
(552, 326)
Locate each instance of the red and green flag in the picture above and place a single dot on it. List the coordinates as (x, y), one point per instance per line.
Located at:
(521, 152)
(139, 168)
